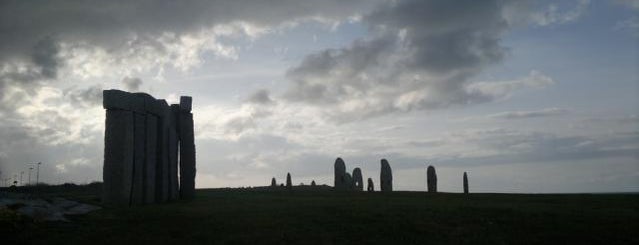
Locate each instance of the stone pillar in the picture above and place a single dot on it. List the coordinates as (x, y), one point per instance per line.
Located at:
(348, 182)
(370, 186)
(289, 183)
(117, 174)
(340, 172)
(173, 146)
(358, 181)
(187, 149)
(313, 183)
(162, 153)
(465, 183)
(273, 183)
(139, 158)
(431, 180)
(386, 177)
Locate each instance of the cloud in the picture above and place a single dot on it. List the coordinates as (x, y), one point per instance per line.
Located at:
(548, 112)
(420, 55)
(260, 97)
(132, 84)
(553, 15)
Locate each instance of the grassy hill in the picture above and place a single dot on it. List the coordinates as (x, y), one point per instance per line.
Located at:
(260, 216)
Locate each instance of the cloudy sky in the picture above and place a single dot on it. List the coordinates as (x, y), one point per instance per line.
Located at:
(525, 96)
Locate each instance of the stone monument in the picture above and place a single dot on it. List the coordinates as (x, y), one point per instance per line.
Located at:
(465, 183)
(386, 177)
(431, 179)
(358, 182)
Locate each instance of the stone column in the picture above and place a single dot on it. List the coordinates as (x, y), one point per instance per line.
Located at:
(465, 183)
(273, 182)
(358, 182)
(139, 158)
(187, 149)
(117, 171)
(386, 177)
(162, 153)
(173, 145)
(431, 179)
(370, 186)
(348, 182)
(289, 183)
(340, 172)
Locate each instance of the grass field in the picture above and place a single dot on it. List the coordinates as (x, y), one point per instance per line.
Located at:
(244, 216)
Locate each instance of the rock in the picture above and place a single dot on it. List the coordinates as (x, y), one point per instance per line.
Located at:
(173, 152)
(116, 100)
(139, 158)
(348, 181)
(273, 183)
(289, 183)
(465, 183)
(431, 180)
(313, 183)
(386, 177)
(370, 186)
(358, 182)
(340, 172)
(162, 154)
(117, 173)
(185, 103)
(187, 155)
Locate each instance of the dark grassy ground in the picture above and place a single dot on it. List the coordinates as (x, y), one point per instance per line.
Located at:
(235, 216)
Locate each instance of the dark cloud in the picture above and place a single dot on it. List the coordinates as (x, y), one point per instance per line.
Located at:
(421, 55)
(132, 84)
(261, 96)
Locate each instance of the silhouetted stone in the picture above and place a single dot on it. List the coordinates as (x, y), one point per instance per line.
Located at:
(348, 181)
(273, 183)
(313, 183)
(370, 186)
(139, 133)
(465, 183)
(358, 182)
(431, 179)
(173, 152)
(340, 172)
(187, 150)
(289, 183)
(117, 171)
(386, 177)
(162, 153)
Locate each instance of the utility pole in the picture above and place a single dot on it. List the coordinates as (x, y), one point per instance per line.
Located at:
(30, 168)
(38, 173)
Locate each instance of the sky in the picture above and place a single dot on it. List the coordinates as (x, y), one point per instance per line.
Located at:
(524, 96)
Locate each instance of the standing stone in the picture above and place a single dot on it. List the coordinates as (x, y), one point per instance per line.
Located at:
(386, 177)
(273, 183)
(173, 146)
(348, 182)
(289, 183)
(187, 149)
(358, 181)
(431, 179)
(162, 153)
(340, 172)
(117, 171)
(313, 183)
(139, 158)
(465, 183)
(370, 186)
(151, 121)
